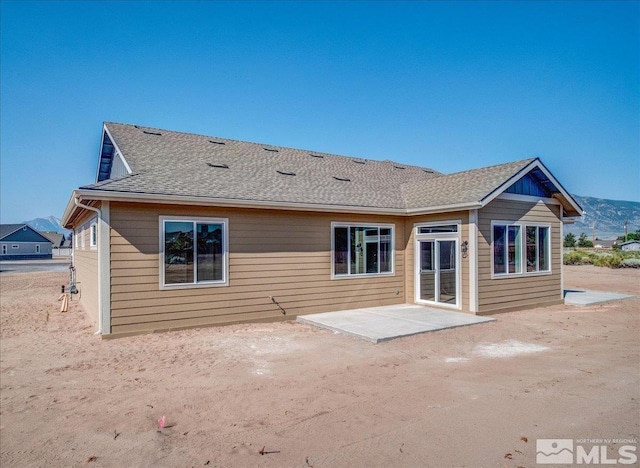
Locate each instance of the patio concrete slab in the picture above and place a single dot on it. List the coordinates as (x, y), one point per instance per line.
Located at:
(586, 297)
(388, 322)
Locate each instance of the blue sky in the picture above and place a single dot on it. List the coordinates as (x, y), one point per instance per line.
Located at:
(449, 85)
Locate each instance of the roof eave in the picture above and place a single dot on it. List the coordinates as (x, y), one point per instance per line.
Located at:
(106, 195)
(69, 210)
(84, 195)
(443, 208)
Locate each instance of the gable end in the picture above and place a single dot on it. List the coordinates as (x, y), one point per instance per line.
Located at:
(111, 164)
(539, 180)
(534, 184)
(106, 158)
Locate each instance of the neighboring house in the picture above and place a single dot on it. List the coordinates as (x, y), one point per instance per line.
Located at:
(56, 238)
(630, 245)
(182, 230)
(22, 242)
(604, 244)
(61, 245)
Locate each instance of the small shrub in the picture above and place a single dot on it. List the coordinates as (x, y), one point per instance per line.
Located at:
(611, 261)
(630, 263)
(577, 258)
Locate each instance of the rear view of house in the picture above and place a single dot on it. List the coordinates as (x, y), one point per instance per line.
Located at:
(182, 230)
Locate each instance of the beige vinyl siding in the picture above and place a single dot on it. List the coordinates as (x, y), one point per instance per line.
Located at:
(518, 291)
(286, 255)
(86, 263)
(410, 268)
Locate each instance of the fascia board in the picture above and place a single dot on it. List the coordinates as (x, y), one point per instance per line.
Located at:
(68, 211)
(226, 202)
(443, 208)
(234, 203)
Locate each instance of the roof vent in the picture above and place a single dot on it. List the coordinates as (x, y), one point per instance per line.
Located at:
(151, 133)
(342, 179)
(286, 173)
(428, 171)
(273, 150)
(217, 142)
(220, 166)
(316, 155)
(359, 161)
(399, 167)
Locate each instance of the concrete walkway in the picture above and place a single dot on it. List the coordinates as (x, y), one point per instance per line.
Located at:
(388, 322)
(575, 297)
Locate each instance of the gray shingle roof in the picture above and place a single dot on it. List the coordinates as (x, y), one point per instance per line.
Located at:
(6, 229)
(56, 238)
(183, 164)
(471, 186)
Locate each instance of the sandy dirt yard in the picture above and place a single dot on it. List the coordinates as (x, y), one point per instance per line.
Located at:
(305, 397)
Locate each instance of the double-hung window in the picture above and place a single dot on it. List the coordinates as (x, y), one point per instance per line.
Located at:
(362, 249)
(193, 251)
(537, 249)
(520, 248)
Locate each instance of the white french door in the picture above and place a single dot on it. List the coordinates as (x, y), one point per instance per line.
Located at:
(437, 271)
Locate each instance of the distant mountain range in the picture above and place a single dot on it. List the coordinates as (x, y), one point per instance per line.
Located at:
(50, 223)
(606, 216)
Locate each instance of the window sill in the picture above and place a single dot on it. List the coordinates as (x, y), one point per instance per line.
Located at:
(520, 275)
(171, 287)
(362, 275)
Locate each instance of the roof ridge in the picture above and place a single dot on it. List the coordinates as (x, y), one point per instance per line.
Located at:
(509, 163)
(310, 151)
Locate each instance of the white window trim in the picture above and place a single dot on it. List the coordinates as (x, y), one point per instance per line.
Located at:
(457, 237)
(4, 249)
(93, 235)
(335, 224)
(225, 251)
(523, 249)
(15, 246)
(453, 222)
(82, 236)
(524, 240)
(37, 248)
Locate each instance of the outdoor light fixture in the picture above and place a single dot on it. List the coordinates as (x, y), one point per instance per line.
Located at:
(465, 248)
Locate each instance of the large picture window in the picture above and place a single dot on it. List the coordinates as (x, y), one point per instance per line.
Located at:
(194, 251)
(515, 245)
(362, 250)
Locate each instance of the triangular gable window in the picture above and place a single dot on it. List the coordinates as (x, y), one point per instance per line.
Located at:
(534, 183)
